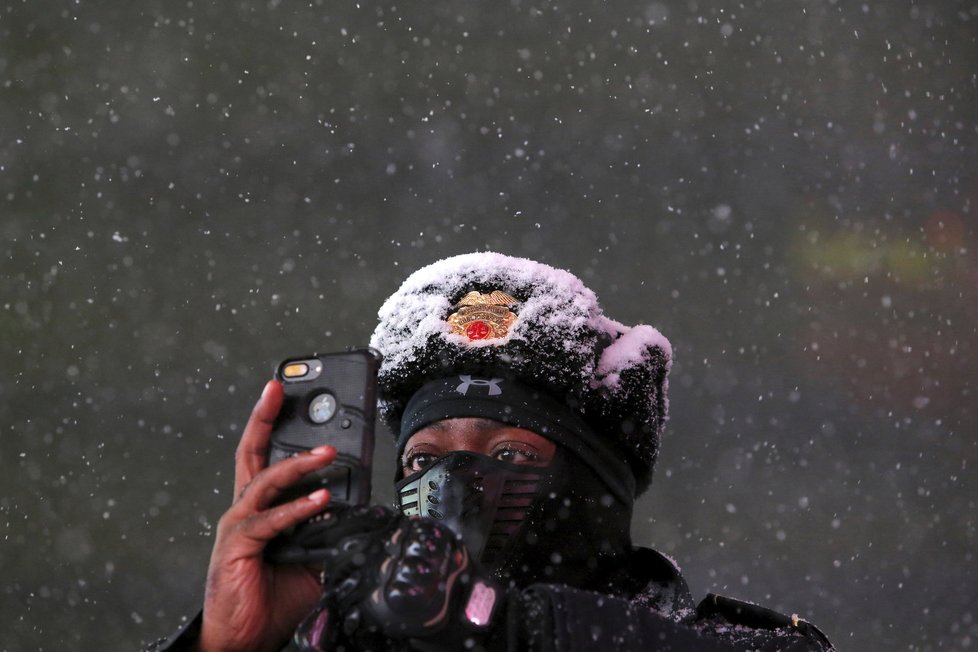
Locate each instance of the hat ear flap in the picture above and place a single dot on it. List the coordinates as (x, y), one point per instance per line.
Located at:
(630, 393)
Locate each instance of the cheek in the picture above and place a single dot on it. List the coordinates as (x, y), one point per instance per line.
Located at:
(547, 450)
(551, 451)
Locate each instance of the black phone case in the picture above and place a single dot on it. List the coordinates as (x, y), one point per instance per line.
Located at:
(350, 378)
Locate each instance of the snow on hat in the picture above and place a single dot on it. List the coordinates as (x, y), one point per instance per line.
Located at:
(497, 315)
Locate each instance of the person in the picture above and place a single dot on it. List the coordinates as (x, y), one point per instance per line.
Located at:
(526, 424)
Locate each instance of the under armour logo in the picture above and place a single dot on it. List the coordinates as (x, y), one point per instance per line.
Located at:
(469, 381)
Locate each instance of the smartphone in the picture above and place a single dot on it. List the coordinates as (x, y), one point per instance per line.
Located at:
(329, 399)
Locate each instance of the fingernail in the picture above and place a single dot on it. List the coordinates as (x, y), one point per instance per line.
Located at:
(321, 450)
(319, 495)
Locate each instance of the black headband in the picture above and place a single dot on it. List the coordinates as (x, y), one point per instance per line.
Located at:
(507, 401)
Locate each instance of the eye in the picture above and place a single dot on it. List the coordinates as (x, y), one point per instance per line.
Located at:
(414, 462)
(514, 455)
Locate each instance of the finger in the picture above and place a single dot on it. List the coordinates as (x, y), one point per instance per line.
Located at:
(252, 454)
(272, 481)
(264, 526)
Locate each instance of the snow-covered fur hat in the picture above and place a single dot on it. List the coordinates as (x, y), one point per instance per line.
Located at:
(487, 313)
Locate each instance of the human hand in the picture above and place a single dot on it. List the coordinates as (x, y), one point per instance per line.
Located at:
(249, 603)
(396, 582)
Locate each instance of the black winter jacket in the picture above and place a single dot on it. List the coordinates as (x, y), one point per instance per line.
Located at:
(657, 613)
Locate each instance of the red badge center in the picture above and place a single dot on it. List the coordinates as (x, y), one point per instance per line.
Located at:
(478, 330)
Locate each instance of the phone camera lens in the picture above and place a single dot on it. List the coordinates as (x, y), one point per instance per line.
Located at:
(322, 408)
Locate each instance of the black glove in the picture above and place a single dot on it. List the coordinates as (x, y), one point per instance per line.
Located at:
(394, 582)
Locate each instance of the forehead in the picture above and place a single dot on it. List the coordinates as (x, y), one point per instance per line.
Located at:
(470, 433)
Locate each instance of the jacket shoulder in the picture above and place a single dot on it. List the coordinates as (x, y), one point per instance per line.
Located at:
(656, 567)
(762, 628)
(659, 584)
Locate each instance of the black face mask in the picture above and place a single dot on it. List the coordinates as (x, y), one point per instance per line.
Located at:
(524, 523)
(484, 500)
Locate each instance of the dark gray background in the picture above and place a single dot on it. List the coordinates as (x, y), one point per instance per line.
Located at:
(190, 191)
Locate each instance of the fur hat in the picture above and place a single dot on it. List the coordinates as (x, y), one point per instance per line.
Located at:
(498, 315)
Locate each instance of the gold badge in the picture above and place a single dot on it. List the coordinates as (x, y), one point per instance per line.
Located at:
(483, 316)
